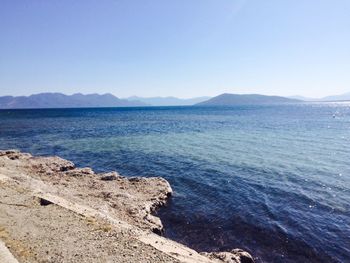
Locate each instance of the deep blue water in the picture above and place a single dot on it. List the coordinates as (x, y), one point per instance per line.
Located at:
(274, 180)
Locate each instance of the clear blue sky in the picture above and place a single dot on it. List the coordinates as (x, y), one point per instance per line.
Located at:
(183, 48)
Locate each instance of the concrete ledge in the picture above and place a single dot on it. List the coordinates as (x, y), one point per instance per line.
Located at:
(6, 255)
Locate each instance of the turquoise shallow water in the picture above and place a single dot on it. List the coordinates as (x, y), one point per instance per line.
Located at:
(274, 180)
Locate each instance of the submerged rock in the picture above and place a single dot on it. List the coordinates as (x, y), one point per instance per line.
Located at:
(234, 256)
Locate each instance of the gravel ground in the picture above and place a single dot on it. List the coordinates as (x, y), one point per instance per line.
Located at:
(38, 233)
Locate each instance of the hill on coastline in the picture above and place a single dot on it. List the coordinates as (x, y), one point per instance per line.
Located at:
(59, 100)
(341, 97)
(240, 99)
(332, 98)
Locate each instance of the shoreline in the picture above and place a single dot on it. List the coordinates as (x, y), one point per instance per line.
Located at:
(114, 213)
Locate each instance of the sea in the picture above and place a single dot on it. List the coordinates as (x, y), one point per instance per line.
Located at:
(271, 179)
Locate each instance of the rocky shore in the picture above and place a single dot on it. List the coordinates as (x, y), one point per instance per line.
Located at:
(52, 211)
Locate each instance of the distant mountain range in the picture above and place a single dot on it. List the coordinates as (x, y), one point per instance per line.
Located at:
(242, 99)
(59, 100)
(78, 100)
(168, 101)
(341, 97)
